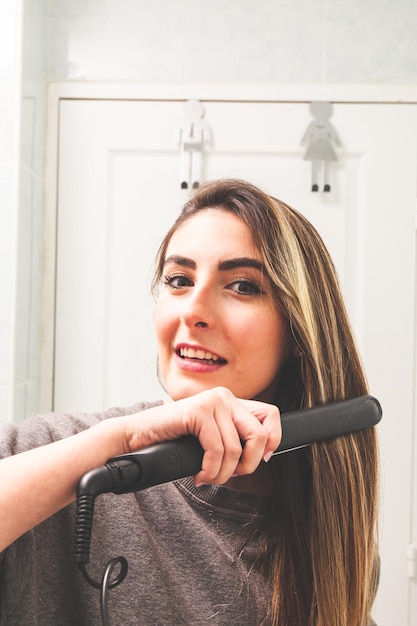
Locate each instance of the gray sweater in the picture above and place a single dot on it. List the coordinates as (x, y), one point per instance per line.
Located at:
(191, 551)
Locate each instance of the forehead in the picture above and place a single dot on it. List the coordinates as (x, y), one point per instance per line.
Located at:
(216, 231)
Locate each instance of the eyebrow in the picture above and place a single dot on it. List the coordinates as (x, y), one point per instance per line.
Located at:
(229, 264)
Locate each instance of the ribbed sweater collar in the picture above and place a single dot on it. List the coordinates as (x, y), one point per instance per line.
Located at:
(226, 500)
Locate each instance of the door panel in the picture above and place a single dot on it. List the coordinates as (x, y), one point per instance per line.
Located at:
(119, 192)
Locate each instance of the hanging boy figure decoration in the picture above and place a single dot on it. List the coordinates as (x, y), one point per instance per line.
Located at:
(320, 139)
(191, 136)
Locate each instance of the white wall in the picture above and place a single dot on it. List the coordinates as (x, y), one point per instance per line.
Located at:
(22, 131)
(30, 209)
(234, 40)
(10, 46)
(185, 41)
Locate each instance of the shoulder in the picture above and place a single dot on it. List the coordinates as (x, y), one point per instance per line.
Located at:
(40, 430)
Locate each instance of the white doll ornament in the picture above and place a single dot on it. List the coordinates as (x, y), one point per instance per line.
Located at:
(320, 140)
(192, 135)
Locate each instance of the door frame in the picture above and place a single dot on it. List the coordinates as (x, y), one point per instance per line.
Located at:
(279, 93)
(297, 93)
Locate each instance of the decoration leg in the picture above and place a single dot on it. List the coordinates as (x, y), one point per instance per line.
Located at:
(314, 175)
(184, 168)
(196, 168)
(326, 176)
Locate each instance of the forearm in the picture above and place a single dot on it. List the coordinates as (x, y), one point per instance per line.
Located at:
(36, 484)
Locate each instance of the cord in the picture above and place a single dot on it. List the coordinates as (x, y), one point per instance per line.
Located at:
(106, 582)
(84, 522)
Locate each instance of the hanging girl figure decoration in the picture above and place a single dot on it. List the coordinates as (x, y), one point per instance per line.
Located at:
(320, 139)
(192, 135)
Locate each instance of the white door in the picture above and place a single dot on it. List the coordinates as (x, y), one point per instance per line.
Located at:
(118, 192)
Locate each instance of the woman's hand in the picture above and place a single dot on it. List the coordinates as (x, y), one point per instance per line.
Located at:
(235, 434)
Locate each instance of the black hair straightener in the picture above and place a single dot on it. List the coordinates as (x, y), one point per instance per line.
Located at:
(182, 457)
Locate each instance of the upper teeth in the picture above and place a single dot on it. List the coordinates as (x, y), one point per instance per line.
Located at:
(190, 353)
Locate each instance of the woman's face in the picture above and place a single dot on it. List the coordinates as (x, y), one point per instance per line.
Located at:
(216, 322)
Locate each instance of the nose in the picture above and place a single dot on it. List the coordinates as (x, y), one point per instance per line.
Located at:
(198, 310)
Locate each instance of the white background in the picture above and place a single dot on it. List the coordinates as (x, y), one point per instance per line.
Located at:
(118, 190)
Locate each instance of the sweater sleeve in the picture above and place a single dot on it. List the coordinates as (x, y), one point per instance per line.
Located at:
(40, 430)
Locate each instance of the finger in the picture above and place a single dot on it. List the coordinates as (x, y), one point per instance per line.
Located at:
(253, 449)
(200, 421)
(220, 440)
(270, 418)
(208, 415)
(217, 471)
(237, 423)
(222, 422)
(261, 435)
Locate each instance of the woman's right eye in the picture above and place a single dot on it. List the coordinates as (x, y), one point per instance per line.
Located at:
(177, 281)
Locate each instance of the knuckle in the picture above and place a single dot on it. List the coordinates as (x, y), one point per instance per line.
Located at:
(276, 413)
(217, 449)
(249, 465)
(261, 433)
(223, 393)
(234, 450)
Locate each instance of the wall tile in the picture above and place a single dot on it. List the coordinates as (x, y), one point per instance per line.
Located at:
(29, 284)
(9, 76)
(7, 268)
(372, 42)
(4, 404)
(186, 41)
(23, 288)
(19, 407)
(27, 131)
(36, 276)
(236, 41)
(32, 394)
(25, 399)
(33, 86)
(34, 41)
(28, 249)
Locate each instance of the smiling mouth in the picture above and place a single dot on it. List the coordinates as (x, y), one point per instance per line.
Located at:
(200, 355)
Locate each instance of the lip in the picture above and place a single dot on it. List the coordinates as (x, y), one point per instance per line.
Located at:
(212, 361)
(199, 349)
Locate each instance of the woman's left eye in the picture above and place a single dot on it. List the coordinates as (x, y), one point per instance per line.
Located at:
(245, 287)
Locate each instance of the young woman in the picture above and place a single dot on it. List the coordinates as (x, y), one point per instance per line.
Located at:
(249, 318)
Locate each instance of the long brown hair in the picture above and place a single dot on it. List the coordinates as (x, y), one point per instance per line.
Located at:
(320, 552)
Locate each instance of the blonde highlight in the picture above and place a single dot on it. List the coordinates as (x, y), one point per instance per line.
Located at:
(321, 541)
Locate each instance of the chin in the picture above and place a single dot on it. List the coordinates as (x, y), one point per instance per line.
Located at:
(186, 389)
(179, 388)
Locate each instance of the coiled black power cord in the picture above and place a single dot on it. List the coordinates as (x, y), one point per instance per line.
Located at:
(107, 583)
(157, 464)
(83, 528)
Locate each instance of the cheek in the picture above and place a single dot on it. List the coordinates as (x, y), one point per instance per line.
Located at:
(164, 324)
(267, 341)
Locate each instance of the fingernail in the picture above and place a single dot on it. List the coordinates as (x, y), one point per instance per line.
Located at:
(200, 484)
(267, 456)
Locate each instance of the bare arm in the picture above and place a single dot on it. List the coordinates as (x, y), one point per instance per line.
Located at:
(36, 484)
